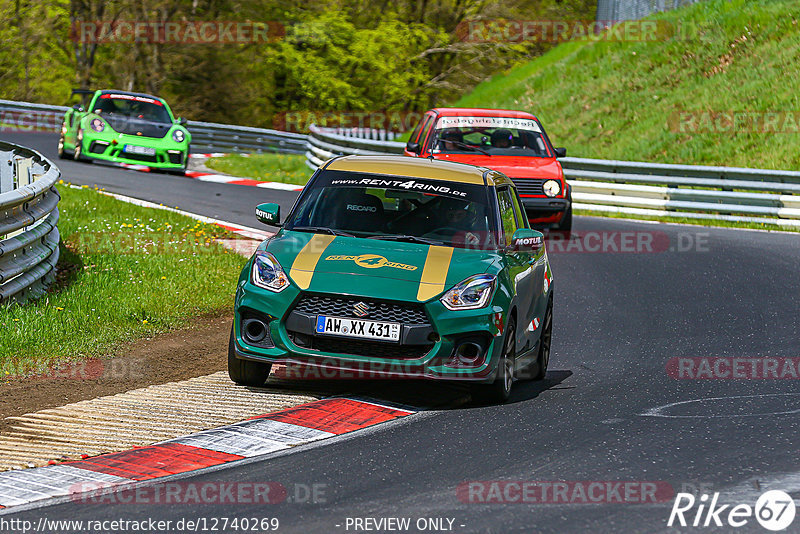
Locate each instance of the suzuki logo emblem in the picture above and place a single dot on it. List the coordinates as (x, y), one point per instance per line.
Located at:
(361, 309)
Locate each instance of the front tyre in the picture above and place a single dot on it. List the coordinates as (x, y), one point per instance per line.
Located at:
(77, 154)
(61, 153)
(498, 391)
(543, 358)
(246, 372)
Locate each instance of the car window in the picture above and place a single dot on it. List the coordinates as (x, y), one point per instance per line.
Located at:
(507, 216)
(421, 127)
(425, 129)
(494, 135)
(139, 107)
(519, 211)
(365, 205)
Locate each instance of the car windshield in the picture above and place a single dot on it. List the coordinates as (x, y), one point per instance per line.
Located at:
(396, 208)
(140, 107)
(490, 135)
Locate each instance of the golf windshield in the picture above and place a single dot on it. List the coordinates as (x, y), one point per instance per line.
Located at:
(490, 135)
(139, 107)
(396, 208)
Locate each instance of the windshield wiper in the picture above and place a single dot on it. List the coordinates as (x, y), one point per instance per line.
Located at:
(409, 238)
(459, 143)
(321, 230)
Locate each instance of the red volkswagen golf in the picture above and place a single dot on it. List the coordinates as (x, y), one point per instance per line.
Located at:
(512, 142)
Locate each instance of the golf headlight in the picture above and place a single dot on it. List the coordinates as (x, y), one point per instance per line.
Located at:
(98, 125)
(551, 188)
(178, 136)
(268, 273)
(473, 293)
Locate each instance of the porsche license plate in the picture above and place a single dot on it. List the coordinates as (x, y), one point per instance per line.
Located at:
(143, 150)
(358, 328)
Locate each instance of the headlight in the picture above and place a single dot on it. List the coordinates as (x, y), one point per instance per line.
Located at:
(178, 136)
(473, 293)
(551, 188)
(98, 125)
(268, 273)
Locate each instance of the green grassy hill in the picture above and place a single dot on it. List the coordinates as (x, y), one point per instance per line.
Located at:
(619, 100)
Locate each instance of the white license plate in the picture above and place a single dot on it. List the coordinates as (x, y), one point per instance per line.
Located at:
(143, 150)
(340, 326)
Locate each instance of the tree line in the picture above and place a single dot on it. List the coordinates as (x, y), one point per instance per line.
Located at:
(249, 61)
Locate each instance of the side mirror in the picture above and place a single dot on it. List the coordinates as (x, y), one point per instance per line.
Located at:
(561, 152)
(527, 239)
(413, 147)
(269, 214)
(182, 121)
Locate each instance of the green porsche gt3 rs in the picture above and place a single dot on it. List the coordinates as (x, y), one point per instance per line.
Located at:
(397, 267)
(126, 128)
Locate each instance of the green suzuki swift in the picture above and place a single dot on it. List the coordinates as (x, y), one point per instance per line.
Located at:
(397, 267)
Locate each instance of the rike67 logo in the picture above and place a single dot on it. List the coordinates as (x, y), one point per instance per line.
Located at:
(774, 510)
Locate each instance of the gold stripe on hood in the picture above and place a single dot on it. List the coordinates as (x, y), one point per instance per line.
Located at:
(434, 273)
(302, 270)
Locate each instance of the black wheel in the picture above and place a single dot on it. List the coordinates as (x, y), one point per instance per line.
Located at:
(543, 358)
(498, 391)
(77, 154)
(61, 153)
(566, 221)
(246, 372)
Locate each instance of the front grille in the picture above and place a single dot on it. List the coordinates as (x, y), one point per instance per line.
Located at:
(98, 147)
(529, 186)
(378, 311)
(175, 159)
(139, 157)
(354, 347)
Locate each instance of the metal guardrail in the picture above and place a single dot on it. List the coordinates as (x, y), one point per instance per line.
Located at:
(213, 137)
(637, 188)
(28, 223)
(206, 136)
(629, 187)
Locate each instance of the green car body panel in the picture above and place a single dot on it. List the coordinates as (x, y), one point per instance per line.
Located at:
(161, 140)
(410, 274)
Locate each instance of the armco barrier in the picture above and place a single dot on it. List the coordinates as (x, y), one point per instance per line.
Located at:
(28, 223)
(636, 188)
(626, 187)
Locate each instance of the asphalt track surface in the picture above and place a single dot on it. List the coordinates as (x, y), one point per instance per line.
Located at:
(619, 319)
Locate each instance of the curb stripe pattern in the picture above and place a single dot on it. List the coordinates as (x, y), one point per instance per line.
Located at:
(254, 437)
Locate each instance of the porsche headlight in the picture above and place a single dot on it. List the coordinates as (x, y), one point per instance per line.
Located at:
(551, 188)
(178, 136)
(268, 273)
(98, 125)
(473, 293)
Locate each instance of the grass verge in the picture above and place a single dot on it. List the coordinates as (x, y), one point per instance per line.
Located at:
(285, 168)
(614, 99)
(127, 272)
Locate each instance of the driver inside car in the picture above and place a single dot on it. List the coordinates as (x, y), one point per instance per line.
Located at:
(455, 217)
(502, 138)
